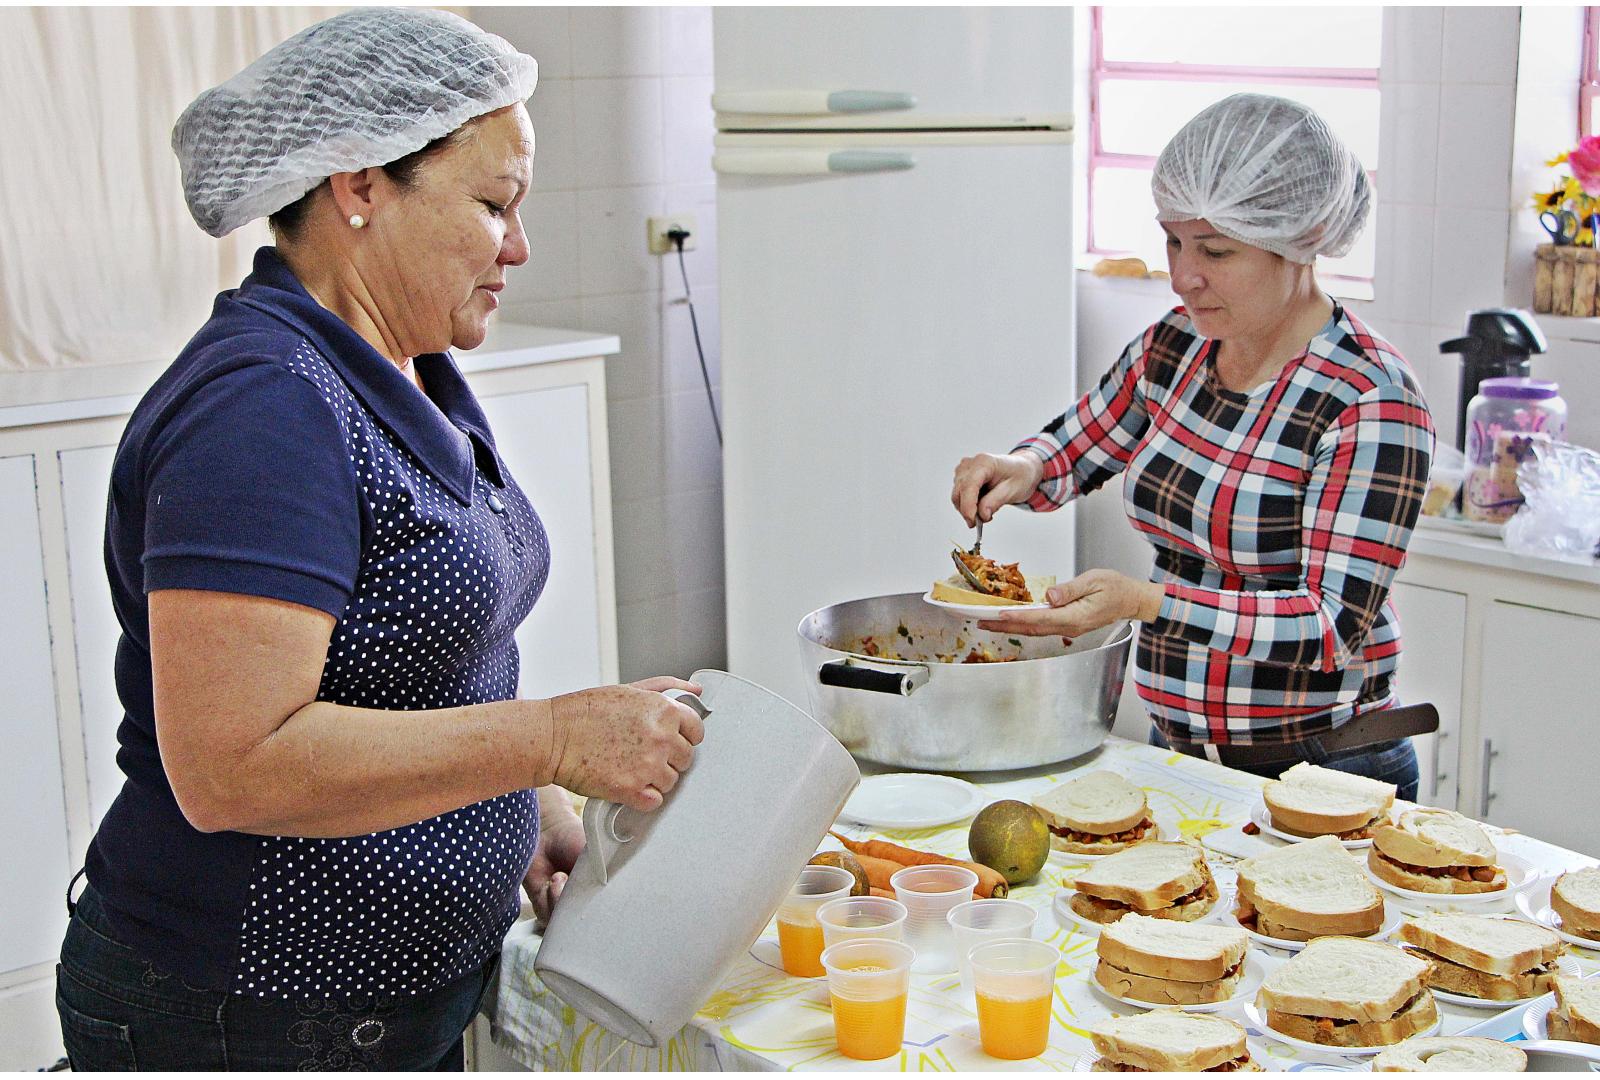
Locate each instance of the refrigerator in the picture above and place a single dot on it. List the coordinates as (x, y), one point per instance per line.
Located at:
(895, 263)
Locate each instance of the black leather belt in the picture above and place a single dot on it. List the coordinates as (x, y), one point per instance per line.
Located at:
(1367, 729)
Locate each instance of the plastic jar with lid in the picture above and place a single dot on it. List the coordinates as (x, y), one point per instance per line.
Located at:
(1504, 421)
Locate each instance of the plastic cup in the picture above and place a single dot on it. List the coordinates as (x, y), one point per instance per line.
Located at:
(978, 921)
(1014, 979)
(799, 933)
(867, 984)
(856, 917)
(929, 892)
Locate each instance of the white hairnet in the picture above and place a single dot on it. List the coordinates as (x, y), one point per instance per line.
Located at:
(1268, 172)
(352, 92)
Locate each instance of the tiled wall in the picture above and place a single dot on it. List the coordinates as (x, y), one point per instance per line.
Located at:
(623, 125)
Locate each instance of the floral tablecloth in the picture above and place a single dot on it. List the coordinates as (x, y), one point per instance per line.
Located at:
(762, 1019)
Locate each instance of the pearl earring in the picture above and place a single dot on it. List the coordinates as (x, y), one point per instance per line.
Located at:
(356, 221)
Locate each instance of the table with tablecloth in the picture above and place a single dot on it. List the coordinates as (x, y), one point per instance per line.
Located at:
(760, 1018)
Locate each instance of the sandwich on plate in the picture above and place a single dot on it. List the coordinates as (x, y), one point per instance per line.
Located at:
(1170, 963)
(1164, 1041)
(1308, 800)
(1005, 584)
(1451, 1053)
(1342, 991)
(1484, 957)
(1576, 1017)
(1096, 814)
(1307, 890)
(1163, 880)
(1436, 851)
(1576, 898)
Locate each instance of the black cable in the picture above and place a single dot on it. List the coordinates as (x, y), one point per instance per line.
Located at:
(677, 236)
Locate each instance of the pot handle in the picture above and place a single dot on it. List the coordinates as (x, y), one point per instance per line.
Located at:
(855, 677)
(601, 834)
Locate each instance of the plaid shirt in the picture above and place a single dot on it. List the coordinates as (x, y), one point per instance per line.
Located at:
(1279, 518)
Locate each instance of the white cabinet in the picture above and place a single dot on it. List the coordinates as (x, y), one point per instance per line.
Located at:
(1433, 627)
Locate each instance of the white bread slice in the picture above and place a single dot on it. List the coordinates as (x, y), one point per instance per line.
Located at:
(1451, 1053)
(955, 590)
(1445, 883)
(1459, 979)
(1165, 949)
(1577, 1010)
(1314, 887)
(1147, 876)
(1576, 898)
(1417, 1016)
(1165, 1041)
(1347, 979)
(1158, 991)
(1428, 836)
(1191, 908)
(1312, 801)
(1100, 803)
(1483, 942)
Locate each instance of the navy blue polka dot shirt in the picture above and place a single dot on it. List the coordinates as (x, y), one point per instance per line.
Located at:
(281, 456)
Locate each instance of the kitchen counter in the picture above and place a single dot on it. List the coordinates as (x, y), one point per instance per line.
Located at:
(762, 1019)
(1442, 542)
(83, 393)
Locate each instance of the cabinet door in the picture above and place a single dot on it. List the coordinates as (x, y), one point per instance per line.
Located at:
(33, 842)
(1433, 628)
(85, 481)
(543, 436)
(1540, 724)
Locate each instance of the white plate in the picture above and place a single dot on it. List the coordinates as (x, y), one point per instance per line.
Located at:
(1260, 815)
(1534, 903)
(1535, 1015)
(1166, 829)
(912, 801)
(1565, 965)
(1258, 1020)
(982, 611)
(1520, 873)
(1392, 918)
(1254, 973)
(1073, 921)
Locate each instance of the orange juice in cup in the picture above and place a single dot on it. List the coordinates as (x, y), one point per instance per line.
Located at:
(867, 983)
(799, 934)
(1014, 979)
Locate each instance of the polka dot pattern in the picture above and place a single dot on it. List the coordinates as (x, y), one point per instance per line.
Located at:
(441, 590)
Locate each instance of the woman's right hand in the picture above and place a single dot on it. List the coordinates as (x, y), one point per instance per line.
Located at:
(986, 482)
(623, 743)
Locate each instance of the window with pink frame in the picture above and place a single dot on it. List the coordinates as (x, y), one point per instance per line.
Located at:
(1151, 69)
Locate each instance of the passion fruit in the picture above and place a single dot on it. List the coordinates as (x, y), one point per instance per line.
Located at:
(845, 861)
(1010, 837)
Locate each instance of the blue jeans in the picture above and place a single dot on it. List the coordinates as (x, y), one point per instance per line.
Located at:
(1394, 761)
(120, 1012)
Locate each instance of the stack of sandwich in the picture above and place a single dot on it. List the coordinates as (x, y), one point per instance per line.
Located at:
(1484, 957)
(1170, 963)
(1096, 814)
(1165, 1041)
(1576, 1017)
(1436, 851)
(1576, 898)
(1163, 880)
(1305, 891)
(1451, 1053)
(1312, 801)
(1341, 991)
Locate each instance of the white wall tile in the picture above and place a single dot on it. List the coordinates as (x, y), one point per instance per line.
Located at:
(1475, 125)
(1410, 141)
(673, 635)
(619, 131)
(555, 146)
(560, 314)
(544, 33)
(701, 263)
(1480, 45)
(638, 466)
(1407, 293)
(1469, 259)
(680, 361)
(551, 272)
(636, 319)
(613, 255)
(1413, 43)
(688, 126)
(616, 41)
(694, 458)
(1572, 364)
(667, 545)
(686, 41)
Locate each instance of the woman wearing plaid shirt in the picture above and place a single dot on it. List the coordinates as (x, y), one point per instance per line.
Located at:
(1273, 450)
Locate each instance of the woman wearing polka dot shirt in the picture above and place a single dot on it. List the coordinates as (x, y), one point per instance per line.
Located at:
(318, 560)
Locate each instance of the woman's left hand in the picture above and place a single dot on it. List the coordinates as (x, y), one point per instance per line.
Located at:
(560, 843)
(1089, 601)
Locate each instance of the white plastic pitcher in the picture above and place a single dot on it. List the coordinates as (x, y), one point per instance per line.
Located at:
(660, 904)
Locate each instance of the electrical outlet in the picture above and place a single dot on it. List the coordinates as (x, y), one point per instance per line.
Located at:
(658, 227)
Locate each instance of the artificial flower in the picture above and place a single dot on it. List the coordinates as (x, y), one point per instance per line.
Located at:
(1585, 163)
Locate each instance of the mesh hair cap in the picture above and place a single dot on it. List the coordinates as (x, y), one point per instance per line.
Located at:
(1268, 172)
(352, 92)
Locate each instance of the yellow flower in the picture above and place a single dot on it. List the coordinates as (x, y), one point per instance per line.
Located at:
(1559, 159)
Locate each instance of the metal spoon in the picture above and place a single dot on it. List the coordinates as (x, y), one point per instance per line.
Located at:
(966, 572)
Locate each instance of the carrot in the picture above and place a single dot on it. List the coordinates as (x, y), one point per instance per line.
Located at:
(887, 894)
(879, 871)
(991, 883)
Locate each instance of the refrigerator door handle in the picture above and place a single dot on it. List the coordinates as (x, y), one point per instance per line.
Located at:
(799, 162)
(810, 102)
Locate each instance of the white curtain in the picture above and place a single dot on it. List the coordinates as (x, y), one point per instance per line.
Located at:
(100, 262)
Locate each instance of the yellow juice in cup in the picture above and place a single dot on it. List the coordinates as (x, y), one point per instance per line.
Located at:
(1014, 1028)
(801, 947)
(869, 1030)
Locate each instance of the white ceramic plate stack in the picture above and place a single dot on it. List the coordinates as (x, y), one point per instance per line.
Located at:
(912, 801)
(1534, 903)
(1257, 1019)
(1263, 820)
(1519, 875)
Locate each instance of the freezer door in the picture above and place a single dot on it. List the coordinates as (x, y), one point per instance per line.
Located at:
(892, 67)
(876, 328)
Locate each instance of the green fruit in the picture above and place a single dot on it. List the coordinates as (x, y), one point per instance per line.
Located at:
(1010, 837)
(846, 861)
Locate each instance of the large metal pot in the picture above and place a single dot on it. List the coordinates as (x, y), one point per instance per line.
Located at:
(885, 676)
